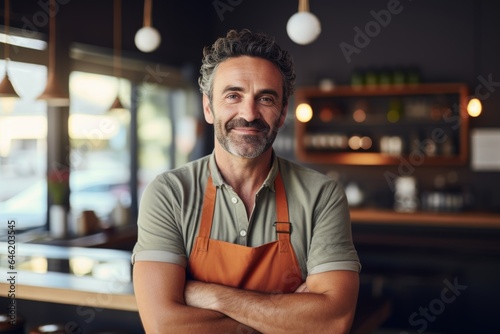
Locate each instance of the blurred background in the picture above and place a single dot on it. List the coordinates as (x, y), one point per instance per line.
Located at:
(79, 151)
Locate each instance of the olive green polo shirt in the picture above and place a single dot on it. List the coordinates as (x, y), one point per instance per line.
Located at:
(171, 205)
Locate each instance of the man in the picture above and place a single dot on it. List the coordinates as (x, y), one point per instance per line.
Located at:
(244, 241)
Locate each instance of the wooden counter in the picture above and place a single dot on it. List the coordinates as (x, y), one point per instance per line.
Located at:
(435, 219)
(462, 232)
(64, 289)
(99, 278)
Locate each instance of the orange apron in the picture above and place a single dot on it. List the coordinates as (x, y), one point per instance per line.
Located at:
(272, 267)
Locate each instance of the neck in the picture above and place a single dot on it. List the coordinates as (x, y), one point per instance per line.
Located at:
(244, 175)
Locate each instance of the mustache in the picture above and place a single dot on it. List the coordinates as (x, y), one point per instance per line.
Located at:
(242, 123)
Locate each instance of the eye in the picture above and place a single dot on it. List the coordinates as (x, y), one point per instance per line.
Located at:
(267, 100)
(232, 97)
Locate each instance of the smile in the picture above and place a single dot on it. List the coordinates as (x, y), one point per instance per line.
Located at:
(247, 130)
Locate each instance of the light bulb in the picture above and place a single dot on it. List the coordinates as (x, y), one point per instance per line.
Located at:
(474, 107)
(303, 27)
(147, 39)
(304, 112)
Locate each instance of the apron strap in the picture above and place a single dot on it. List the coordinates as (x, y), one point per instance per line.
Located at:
(207, 215)
(283, 225)
(281, 202)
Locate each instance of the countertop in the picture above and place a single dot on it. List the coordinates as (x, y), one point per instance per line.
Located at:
(91, 277)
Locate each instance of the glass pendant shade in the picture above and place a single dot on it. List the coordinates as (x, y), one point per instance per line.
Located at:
(303, 27)
(6, 88)
(147, 39)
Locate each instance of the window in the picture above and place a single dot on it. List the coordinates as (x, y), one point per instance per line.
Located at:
(101, 155)
(100, 146)
(168, 129)
(23, 149)
(113, 154)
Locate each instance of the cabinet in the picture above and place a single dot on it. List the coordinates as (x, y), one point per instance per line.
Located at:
(421, 124)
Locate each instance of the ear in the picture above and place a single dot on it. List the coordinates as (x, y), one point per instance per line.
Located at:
(207, 111)
(283, 114)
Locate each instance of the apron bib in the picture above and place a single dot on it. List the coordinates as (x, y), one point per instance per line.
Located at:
(272, 267)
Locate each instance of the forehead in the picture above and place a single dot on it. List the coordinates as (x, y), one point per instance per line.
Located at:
(248, 71)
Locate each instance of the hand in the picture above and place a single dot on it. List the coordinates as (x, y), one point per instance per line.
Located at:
(204, 295)
(302, 288)
(198, 294)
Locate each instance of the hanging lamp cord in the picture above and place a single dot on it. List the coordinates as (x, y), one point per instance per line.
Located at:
(303, 5)
(148, 9)
(117, 38)
(7, 23)
(52, 37)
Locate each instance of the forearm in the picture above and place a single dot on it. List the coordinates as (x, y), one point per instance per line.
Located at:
(159, 292)
(273, 313)
(186, 319)
(281, 313)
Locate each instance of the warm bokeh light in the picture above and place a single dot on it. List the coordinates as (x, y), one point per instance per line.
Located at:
(81, 265)
(359, 115)
(474, 107)
(304, 112)
(326, 115)
(39, 264)
(354, 143)
(365, 143)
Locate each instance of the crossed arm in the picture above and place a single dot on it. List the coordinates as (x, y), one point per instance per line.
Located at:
(167, 303)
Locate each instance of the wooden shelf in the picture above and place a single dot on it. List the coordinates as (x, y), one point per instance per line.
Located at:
(415, 89)
(479, 220)
(317, 141)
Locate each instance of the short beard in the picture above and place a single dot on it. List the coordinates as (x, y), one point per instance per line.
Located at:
(247, 146)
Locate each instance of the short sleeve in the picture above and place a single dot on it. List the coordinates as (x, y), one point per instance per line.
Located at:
(331, 246)
(159, 236)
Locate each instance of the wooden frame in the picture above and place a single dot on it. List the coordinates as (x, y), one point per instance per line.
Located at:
(305, 94)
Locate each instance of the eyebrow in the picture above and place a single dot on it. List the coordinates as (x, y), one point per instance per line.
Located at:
(260, 92)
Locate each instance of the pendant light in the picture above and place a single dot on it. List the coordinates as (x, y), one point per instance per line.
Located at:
(54, 94)
(474, 106)
(6, 88)
(303, 27)
(117, 46)
(147, 39)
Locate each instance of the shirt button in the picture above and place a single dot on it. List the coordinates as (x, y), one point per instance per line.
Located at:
(234, 200)
(243, 233)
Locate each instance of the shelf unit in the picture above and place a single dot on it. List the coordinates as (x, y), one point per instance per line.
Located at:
(429, 122)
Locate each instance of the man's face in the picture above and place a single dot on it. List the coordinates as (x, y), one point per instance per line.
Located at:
(246, 108)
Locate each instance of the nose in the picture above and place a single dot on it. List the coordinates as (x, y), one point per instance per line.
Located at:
(249, 110)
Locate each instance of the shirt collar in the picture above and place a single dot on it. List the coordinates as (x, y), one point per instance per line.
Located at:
(219, 181)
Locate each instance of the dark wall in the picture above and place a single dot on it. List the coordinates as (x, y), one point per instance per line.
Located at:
(448, 41)
(185, 26)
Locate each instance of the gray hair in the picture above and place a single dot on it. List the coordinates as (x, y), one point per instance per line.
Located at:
(245, 43)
